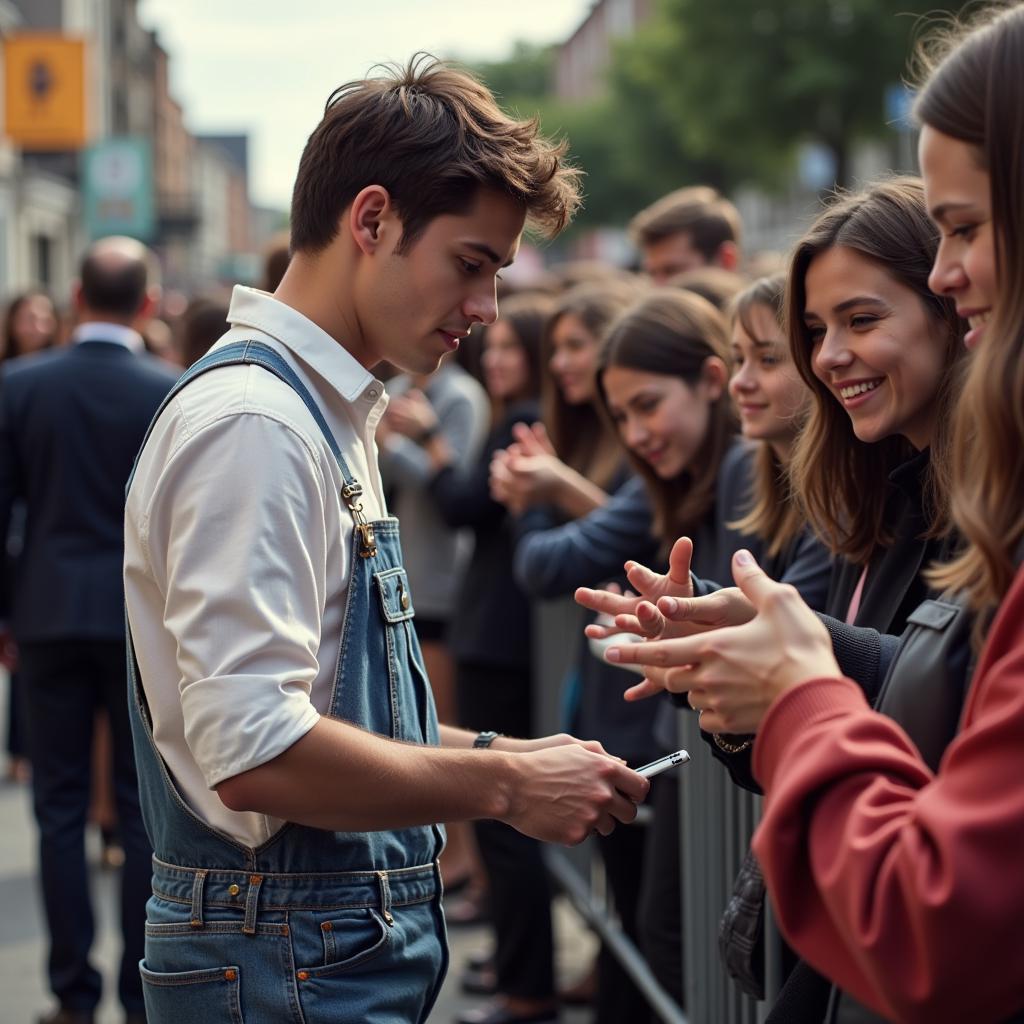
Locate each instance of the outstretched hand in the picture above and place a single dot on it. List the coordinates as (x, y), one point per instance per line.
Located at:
(533, 439)
(735, 673)
(637, 613)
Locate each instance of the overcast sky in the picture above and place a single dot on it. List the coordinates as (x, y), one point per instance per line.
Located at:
(267, 66)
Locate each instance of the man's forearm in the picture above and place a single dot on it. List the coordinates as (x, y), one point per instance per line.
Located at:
(340, 778)
(457, 739)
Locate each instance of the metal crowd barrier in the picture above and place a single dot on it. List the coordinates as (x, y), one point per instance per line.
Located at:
(717, 820)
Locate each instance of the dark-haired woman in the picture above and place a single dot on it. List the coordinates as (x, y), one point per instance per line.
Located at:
(572, 466)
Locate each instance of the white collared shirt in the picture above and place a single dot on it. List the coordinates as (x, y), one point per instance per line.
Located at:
(118, 334)
(236, 554)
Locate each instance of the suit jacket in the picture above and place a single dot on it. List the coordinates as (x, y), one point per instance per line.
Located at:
(71, 423)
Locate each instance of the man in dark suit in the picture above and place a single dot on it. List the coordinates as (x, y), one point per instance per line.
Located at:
(71, 422)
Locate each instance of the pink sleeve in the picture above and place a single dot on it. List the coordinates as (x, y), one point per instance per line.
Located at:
(904, 887)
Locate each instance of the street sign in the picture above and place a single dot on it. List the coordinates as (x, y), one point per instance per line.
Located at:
(44, 91)
(117, 188)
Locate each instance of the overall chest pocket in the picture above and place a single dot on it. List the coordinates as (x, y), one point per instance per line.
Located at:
(409, 693)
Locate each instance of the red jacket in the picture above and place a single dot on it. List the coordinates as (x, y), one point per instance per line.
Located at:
(904, 887)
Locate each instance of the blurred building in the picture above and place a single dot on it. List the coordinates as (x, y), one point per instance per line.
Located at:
(582, 61)
(137, 169)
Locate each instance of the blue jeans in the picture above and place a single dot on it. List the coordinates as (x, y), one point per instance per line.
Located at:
(352, 946)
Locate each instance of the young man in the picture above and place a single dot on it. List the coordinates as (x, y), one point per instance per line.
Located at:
(286, 735)
(689, 228)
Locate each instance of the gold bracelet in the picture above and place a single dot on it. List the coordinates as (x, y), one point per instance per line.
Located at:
(732, 748)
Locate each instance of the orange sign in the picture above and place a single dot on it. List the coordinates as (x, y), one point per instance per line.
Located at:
(44, 87)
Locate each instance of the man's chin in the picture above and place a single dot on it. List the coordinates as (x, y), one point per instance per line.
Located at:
(418, 363)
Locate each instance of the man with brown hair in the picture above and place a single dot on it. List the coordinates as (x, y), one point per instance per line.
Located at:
(686, 229)
(290, 761)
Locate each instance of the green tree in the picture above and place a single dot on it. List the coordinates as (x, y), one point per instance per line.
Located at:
(623, 143)
(524, 76)
(742, 83)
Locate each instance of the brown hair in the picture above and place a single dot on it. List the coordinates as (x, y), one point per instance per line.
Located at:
(698, 211)
(204, 321)
(673, 333)
(432, 135)
(975, 94)
(582, 436)
(774, 515)
(716, 284)
(526, 314)
(9, 349)
(839, 479)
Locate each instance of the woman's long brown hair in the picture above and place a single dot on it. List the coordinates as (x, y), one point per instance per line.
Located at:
(673, 333)
(773, 516)
(840, 480)
(582, 437)
(976, 94)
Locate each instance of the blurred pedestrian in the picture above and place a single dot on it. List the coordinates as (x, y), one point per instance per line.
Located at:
(686, 229)
(203, 322)
(30, 325)
(71, 421)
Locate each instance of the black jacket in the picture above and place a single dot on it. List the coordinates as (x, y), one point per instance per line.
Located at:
(491, 624)
(893, 589)
(71, 423)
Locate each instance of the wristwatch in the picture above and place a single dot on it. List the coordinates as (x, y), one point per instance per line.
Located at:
(432, 431)
(485, 739)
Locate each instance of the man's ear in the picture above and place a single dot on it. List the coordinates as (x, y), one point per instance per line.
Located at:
(728, 256)
(370, 218)
(77, 301)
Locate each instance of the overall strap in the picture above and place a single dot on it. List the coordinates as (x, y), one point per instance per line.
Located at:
(258, 354)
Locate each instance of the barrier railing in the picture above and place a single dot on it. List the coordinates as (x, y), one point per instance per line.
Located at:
(717, 820)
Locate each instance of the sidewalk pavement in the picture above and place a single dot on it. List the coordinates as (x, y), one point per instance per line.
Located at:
(23, 940)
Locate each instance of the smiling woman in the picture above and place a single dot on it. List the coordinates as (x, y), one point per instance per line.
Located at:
(880, 353)
(662, 381)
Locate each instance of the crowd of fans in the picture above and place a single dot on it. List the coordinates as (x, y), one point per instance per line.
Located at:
(849, 425)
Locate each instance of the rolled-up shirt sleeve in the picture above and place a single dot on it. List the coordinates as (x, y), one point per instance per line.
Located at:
(237, 542)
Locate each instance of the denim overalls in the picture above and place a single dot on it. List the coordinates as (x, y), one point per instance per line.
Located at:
(312, 925)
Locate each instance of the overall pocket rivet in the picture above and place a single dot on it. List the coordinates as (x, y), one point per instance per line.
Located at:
(327, 926)
(303, 975)
(230, 975)
(233, 889)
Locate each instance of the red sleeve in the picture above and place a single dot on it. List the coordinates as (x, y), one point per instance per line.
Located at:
(904, 887)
